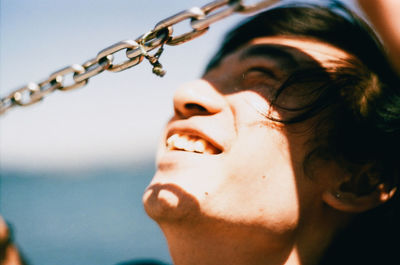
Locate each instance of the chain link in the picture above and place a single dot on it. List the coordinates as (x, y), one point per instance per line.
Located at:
(135, 50)
(215, 11)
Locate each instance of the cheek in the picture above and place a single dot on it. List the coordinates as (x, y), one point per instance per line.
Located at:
(259, 186)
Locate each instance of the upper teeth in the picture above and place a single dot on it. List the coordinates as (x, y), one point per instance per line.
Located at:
(189, 143)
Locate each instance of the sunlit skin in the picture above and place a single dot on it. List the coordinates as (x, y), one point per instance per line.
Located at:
(384, 15)
(251, 203)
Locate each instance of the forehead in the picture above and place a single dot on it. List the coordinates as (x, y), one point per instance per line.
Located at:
(325, 54)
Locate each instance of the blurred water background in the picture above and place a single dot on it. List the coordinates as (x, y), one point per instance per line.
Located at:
(83, 218)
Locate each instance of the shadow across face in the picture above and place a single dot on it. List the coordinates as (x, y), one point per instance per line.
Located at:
(289, 79)
(170, 202)
(258, 103)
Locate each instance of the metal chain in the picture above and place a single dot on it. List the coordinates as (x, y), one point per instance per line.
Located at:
(135, 50)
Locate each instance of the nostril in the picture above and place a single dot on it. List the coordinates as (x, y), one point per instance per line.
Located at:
(195, 107)
(196, 99)
(191, 109)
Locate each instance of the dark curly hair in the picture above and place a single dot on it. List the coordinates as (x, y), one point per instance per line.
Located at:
(357, 106)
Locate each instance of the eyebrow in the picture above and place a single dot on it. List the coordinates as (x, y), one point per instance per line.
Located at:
(280, 55)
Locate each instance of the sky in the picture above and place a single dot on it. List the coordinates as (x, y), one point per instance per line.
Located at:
(117, 118)
(114, 120)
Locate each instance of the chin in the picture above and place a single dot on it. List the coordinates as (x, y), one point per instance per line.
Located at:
(180, 185)
(166, 201)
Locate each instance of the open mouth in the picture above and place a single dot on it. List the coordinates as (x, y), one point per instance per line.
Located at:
(191, 143)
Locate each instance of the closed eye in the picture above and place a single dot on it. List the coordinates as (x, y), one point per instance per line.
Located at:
(260, 79)
(263, 71)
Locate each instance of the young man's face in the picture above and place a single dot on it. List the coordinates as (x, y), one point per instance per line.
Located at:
(223, 162)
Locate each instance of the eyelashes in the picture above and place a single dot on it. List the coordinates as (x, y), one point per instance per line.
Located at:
(265, 83)
(265, 72)
(278, 104)
(259, 79)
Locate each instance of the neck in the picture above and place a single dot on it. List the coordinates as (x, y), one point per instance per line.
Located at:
(221, 244)
(210, 247)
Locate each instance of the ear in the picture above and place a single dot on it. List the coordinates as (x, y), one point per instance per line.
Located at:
(355, 189)
(348, 201)
(358, 192)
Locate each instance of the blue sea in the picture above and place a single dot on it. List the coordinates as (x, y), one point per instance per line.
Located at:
(92, 217)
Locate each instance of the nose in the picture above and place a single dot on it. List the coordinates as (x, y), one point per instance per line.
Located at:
(197, 98)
